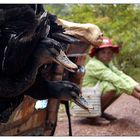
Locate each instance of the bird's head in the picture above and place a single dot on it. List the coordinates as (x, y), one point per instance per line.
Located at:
(50, 49)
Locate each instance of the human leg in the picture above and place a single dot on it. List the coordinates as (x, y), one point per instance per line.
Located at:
(109, 95)
(106, 100)
(137, 88)
(136, 94)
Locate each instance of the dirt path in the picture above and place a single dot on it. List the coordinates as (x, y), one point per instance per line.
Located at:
(126, 109)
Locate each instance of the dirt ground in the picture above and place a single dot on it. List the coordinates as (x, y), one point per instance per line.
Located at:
(125, 108)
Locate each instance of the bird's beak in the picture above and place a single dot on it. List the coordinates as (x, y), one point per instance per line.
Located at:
(62, 59)
(80, 101)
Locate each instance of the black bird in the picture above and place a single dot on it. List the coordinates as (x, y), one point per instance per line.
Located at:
(24, 48)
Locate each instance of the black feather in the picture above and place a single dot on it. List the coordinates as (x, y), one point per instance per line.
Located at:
(20, 21)
(54, 27)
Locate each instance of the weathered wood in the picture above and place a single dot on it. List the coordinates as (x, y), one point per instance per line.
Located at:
(25, 118)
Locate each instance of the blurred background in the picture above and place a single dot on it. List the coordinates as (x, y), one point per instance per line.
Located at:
(120, 22)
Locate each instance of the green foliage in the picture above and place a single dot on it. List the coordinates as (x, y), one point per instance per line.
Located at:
(61, 10)
(119, 22)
